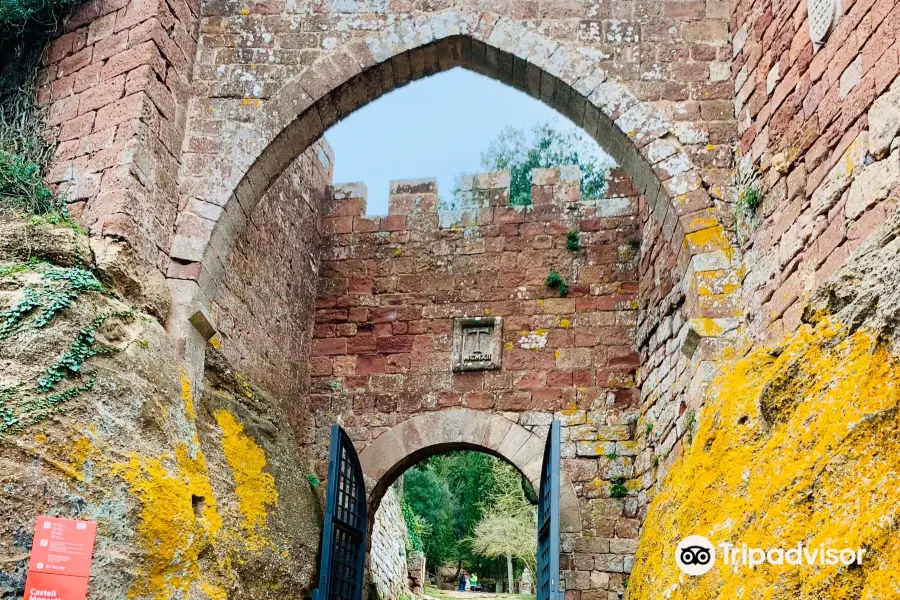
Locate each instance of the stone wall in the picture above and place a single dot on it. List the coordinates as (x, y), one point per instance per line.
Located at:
(387, 562)
(265, 303)
(117, 84)
(818, 123)
(391, 287)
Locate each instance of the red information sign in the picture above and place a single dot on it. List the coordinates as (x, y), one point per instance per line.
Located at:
(63, 546)
(60, 559)
(41, 586)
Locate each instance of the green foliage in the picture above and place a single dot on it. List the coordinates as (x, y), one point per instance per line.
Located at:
(555, 281)
(612, 455)
(750, 198)
(23, 18)
(25, 151)
(617, 487)
(11, 318)
(509, 525)
(21, 185)
(61, 288)
(81, 350)
(313, 480)
(548, 147)
(429, 497)
(415, 527)
(70, 283)
(573, 241)
(22, 405)
(690, 423)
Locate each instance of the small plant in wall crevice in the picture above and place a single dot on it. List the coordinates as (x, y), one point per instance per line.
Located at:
(556, 281)
(747, 197)
(573, 241)
(617, 487)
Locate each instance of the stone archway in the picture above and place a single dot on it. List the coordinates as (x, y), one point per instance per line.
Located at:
(648, 146)
(427, 434)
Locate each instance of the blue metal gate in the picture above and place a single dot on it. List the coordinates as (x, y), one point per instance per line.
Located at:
(547, 578)
(344, 527)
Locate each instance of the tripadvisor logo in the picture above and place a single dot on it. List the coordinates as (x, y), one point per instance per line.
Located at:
(696, 555)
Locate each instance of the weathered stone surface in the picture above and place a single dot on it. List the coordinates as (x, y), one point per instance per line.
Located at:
(122, 271)
(177, 484)
(20, 241)
(884, 121)
(873, 184)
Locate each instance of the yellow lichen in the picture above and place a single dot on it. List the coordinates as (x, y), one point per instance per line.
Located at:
(565, 323)
(178, 519)
(801, 445)
(254, 487)
(187, 397)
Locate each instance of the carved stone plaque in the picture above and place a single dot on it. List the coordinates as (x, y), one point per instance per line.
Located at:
(477, 343)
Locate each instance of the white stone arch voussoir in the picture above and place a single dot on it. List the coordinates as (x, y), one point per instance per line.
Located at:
(435, 432)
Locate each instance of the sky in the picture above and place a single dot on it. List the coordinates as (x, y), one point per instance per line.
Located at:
(434, 127)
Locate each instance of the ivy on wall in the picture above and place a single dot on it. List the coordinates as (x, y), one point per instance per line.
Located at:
(30, 402)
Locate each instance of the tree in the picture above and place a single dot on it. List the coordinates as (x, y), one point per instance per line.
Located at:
(430, 499)
(509, 525)
(549, 147)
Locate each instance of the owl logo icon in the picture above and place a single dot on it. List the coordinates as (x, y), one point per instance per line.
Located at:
(695, 555)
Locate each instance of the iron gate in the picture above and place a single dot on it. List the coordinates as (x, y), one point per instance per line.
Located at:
(547, 577)
(344, 527)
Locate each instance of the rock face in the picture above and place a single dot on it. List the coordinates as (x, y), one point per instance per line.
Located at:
(799, 444)
(194, 497)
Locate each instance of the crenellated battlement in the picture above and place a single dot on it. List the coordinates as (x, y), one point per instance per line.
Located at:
(482, 198)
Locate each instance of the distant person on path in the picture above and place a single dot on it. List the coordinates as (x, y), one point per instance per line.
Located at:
(462, 581)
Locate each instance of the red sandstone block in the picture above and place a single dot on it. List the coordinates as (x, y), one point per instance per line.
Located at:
(329, 346)
(514, 401)
(62, 110)
(615, 377)
(583, 378)
(618, 359)
(113, 45)
(87, 77)
(393, 223)
(59, 49)
(101, 95)
(319, 366)
(136, 106)
(370, 364)
(77, 128)
(324, 330)
(145, 53)
(337, 225)
(331, 316)
(63, 87)
(546, 399)
(531, 380)
(832, 264)
(101, 28)
(867, 223)
(137, 11)
(478, 400)
(886, 69)
(394, 344)
(559, 378)
(73, 63)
